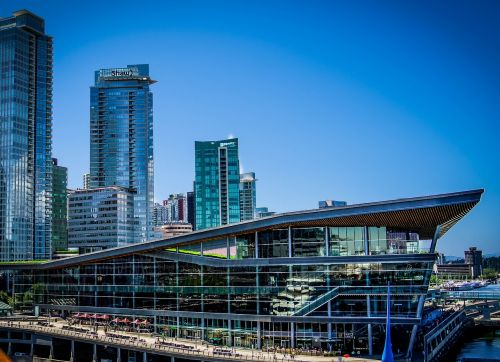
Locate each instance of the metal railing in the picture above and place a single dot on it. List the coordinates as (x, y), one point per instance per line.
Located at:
(144, 346)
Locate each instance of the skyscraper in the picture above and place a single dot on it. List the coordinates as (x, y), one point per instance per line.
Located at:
(86, 180)
(59, 207)
(217, 179)
(190, 209)
(25, 138)
(248, 195)
(176, 205)
(121, 138)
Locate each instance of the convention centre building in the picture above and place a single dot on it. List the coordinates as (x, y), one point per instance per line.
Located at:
(309, 279)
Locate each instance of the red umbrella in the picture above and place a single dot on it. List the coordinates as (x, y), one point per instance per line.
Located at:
(137, 321)
(347, 355)
(145, 321)
(105, 317)
(116, 320)
(126, 320)
(93, 316)
(76, 315)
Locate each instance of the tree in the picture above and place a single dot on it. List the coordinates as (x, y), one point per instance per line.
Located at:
(489, 273)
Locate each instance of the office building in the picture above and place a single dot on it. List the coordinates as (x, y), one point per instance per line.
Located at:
(160, 214)
(121, 138)
(190, 209)
(263, 212)
(25, 138)
(248, 196)
(86, 180)
(176, 206)
(310, 279)
(173, 228)
(217, 179)
(100, 218)
(474, 258)
(59, 207)
(331, 203)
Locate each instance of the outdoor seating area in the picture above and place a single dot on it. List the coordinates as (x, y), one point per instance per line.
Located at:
(225, 352)
(104, 320)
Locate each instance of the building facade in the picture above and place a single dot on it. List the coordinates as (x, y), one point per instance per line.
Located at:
(331, 203)
(86, 180)
(160, 214)
(248, 196)
(190, 209)
(121, 138)
(173, 228)
(263, 212)
(59, 207)
(176, 206)
(100, 218)
(25, 138)
(474, 258)
(311, 279)
(217, 179)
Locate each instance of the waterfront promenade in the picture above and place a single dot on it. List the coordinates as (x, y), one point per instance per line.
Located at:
(146, 343)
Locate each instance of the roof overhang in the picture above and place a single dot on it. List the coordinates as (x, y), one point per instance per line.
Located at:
(419, 214)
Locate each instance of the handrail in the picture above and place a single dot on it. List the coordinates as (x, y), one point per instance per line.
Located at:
(143, 346)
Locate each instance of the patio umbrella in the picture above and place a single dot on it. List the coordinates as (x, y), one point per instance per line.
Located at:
(347, 355)
(105, 317)
(126, 320)
(93, 316)
(137, 321)
(85, 315)
(145, 322)
(116, 320)
(76, 315)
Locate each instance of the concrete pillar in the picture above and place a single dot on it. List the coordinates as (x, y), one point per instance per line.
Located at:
(172, 359)
(144, 357)
(229, 334)
(292, 335)
(118, 354)
(289, 241)
(94, 356)
(9, 350)
(259, 335)
(72, 351)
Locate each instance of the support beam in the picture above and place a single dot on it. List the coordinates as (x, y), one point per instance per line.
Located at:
(370, 340)
(118, 354)
(94, 356)
(259, 335)
(144, 357)
(289, 241)
(292, 335)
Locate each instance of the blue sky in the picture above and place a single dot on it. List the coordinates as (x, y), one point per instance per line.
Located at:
(358, 101)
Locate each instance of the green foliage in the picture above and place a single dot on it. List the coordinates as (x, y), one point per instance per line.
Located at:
(490, 273)
(492, 263)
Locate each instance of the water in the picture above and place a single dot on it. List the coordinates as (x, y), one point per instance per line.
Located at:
(485, 346)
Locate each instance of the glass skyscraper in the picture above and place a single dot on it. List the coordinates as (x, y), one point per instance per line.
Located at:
(217, 179)
(59, 207)
(248, 196)
(25, 138)
(121, 138)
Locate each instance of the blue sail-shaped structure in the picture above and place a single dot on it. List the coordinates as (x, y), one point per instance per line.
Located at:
(387, 355)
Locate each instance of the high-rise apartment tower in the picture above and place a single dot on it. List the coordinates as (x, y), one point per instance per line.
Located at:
(121, 138)
(217, 179)
(25, 138)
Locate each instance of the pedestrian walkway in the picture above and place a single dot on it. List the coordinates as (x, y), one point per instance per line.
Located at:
(171, 346)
